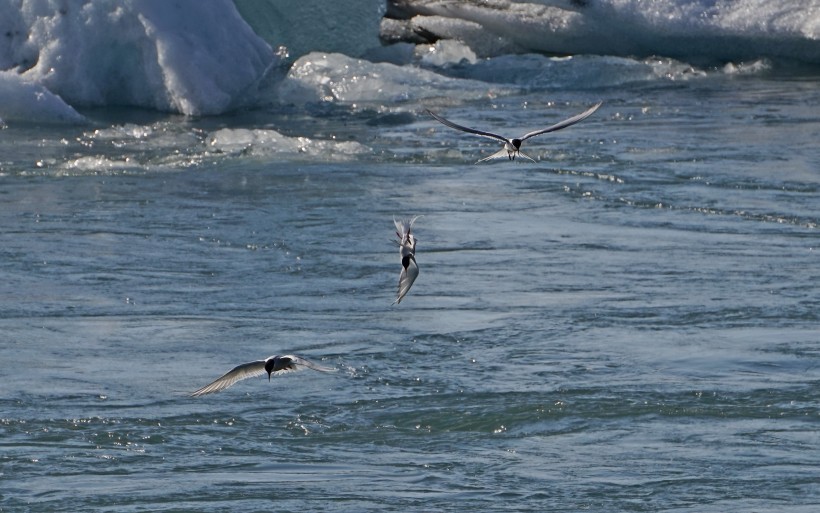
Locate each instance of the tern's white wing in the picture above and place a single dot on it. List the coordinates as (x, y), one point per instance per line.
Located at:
(406, 240)
(467, 129)
(238, 373)
(563, 124)
(299, 363)
(409, 273)
(525, 156)
(403, 227)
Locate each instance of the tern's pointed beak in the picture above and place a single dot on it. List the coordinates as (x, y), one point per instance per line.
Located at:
(268, 376)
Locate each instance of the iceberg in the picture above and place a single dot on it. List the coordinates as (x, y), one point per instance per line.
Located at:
(186, 56)
(708, 31)
(23, 101)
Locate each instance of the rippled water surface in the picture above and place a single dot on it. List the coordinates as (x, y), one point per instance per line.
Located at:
(630, 324)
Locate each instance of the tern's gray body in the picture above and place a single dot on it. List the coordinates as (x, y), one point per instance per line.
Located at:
(275, 364)
(407, 249)
(512, 147)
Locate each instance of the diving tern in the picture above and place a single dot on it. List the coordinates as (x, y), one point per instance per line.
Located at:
(407, 249)
(512, 147)
(275, 364)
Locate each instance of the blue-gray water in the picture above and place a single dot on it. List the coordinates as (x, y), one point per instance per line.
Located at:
(629, 325)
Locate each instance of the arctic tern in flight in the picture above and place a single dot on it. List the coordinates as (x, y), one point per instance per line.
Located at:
(407, 249)
(512, 147)
(275, 364)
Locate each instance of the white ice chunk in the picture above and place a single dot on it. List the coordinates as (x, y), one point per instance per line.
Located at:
(318, 77)
(445, 52)
(24, 101)
(266, 142)
(184, 56)
(711, 30)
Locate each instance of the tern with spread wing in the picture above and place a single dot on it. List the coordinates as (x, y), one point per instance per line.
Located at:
(512, 147)
(407, 248)
(272, 365)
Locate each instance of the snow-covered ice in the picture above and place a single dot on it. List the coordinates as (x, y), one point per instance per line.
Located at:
(187, 56)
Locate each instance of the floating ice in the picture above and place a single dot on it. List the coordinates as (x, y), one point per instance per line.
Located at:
(472, 34)
(265, 142)
(21, 100)
(691, 30)
(95, 165)
(184, 56)
(320, 77)
(446, 52)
